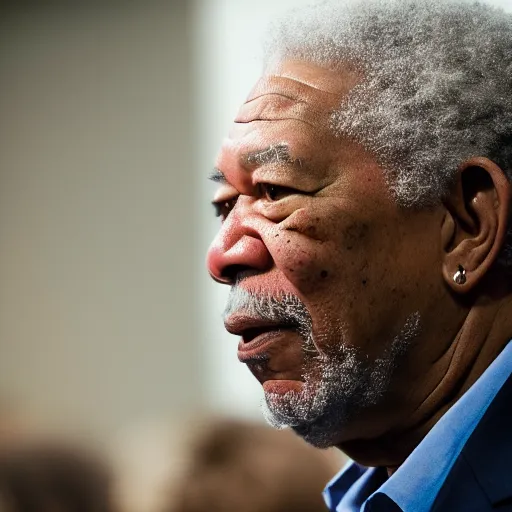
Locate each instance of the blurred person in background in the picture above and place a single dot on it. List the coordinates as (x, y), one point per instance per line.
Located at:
(148, 459)
(365, 199)
(244, 467)
(14, 425)
(40, 476)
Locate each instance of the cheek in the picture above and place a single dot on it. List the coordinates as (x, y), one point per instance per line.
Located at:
(317, 253)
(305, 263)
(343, 272)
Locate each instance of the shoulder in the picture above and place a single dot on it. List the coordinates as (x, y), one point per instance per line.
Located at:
(481, 478)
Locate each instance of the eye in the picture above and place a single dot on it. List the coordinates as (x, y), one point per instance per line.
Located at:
(222, 208)
(275, 192)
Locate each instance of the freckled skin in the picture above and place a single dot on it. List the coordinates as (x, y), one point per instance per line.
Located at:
(338, 241)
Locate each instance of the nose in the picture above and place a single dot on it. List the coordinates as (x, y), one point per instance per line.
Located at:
(237, 247)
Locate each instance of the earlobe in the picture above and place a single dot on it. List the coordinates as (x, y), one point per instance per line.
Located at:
(460, 276)
(475, 224)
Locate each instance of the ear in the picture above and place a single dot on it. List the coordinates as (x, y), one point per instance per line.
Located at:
(475, 224)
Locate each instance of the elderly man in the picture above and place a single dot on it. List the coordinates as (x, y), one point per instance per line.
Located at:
(365, 203)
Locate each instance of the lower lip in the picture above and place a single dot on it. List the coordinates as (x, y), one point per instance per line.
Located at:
(281, 387)
(260, 344)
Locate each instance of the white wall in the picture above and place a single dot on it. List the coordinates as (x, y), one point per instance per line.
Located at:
(505, 4)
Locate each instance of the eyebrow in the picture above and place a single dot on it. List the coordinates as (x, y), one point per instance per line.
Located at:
(273, 154)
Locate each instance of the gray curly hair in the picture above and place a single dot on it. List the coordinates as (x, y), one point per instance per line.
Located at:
(437, 85)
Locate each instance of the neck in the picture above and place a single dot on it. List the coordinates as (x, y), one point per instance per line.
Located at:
(485, 330)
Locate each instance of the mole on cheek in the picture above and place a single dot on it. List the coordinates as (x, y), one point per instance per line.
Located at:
(324, 274)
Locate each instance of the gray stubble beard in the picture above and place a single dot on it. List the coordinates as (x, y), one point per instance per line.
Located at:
(336, 386)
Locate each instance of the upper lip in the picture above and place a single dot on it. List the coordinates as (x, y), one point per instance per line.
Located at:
(249, 327)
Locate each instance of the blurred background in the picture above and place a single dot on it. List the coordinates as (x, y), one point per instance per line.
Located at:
(110, 117)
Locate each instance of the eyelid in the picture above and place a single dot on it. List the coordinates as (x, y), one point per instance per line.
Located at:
(223, 207)
(225, 192)
(286, 190)
(281, 191)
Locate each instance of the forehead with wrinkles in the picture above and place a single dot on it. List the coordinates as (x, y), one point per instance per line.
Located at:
(296, 90)
(300, 94)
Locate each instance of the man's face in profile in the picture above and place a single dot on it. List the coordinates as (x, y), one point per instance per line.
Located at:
(331, 282)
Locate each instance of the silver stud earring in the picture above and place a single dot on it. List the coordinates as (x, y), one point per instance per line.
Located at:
(460, 276)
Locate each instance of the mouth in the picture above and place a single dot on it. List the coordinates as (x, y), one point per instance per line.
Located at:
(256, 334)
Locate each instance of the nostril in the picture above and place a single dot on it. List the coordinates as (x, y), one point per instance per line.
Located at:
(232, 273)
(226, 263)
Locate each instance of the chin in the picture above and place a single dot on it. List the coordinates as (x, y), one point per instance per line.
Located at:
(317, 435)
(320, 428)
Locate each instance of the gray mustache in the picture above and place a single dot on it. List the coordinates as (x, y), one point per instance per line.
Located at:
(286, 309)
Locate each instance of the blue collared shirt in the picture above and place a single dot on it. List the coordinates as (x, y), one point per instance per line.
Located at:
(416, 483)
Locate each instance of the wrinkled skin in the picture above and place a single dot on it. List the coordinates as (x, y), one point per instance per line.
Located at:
(332, 234)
